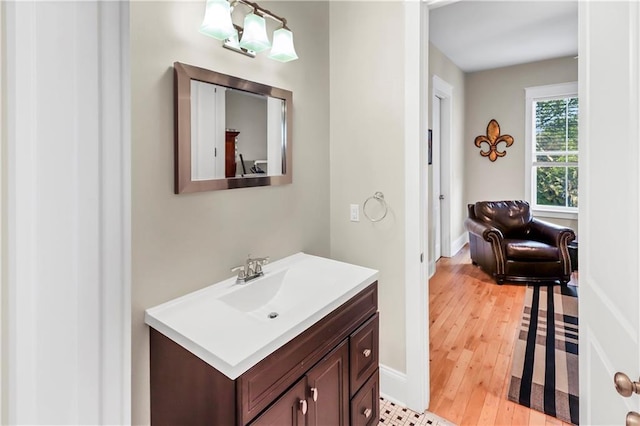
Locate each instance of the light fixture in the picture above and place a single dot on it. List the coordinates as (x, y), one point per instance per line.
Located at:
(217, 20)
(283, 49)
(233, 43)
(253, 37)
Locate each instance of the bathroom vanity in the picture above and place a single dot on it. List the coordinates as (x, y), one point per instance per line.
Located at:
(220, 356)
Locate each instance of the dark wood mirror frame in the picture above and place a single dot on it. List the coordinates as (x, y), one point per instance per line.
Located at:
(183, 74)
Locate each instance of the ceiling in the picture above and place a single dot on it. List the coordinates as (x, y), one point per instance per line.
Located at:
(478, 35)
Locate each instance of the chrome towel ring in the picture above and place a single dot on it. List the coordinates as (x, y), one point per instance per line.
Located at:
(379, 197)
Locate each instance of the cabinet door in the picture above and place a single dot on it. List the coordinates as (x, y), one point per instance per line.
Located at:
(328, 389)
(289, 410)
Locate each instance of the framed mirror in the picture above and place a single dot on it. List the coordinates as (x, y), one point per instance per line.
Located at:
(230, 132)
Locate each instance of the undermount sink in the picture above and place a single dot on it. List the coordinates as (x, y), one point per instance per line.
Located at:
(232, 326)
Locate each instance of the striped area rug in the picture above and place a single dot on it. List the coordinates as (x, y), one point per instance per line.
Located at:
(544, 374)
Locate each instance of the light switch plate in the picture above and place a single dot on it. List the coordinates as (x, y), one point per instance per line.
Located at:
(355, 213)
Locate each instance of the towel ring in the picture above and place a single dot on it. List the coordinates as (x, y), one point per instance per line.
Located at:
(379, 197)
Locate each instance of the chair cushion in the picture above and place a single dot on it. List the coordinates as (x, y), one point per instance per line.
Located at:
(511, 217)
(530, 250)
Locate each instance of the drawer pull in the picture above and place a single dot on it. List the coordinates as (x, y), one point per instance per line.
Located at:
(314, 394)
(303, 406)
(367, 412)
(366, 353)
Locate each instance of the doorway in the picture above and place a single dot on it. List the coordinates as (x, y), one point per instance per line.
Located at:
(441, 121)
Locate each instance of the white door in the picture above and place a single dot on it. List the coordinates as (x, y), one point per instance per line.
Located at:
(442, 119)
(609, 207)
(437, 190)
(208, 135)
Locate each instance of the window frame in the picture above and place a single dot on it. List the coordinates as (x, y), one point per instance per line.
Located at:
(535, 94)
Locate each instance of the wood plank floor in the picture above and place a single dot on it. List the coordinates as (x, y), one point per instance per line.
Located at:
(473, 325)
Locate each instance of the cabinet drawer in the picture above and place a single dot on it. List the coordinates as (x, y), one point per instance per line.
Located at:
(365, 405)
(363, 353)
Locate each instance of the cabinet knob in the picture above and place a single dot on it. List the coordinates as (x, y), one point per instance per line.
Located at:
(367, 412)
(314, 394)
(633, 419)
(366, 353)
(624, 385)
(303, 406)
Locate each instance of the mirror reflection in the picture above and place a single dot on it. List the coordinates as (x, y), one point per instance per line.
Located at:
(231, 133)
(234, 133)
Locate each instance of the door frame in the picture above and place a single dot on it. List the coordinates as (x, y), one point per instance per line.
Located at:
(87, 288)
(443, 91)
(436, 190)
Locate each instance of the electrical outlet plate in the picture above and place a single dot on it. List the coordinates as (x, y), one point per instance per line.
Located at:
(354, 213)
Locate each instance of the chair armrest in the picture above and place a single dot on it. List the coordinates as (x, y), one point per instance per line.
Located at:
(552, 233)
(482, 230)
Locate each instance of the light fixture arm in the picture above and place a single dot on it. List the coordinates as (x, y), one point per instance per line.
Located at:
(262, 11)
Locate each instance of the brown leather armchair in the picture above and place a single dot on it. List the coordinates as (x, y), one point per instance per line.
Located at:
(509, 244)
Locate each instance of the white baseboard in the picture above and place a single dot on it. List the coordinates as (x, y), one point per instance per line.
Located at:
(393, 385)
(432, 269)
(458, 243)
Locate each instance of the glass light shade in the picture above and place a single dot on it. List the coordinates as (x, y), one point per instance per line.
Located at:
(233, 41)
(283, 49)
(217, 20)
(254, 36)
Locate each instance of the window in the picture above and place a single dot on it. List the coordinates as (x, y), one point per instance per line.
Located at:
(552, 149)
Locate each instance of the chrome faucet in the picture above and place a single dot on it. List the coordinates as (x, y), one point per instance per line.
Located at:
(251, 269)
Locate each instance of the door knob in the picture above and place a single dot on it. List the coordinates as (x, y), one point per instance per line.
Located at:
(624, 385)
(633, 419)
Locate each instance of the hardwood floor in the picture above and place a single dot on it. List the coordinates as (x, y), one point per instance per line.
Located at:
(473, 325)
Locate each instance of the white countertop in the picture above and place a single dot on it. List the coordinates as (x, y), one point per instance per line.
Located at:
(234, 339)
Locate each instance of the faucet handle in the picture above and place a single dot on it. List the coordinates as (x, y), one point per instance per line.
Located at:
(259, 263)
(241, 271)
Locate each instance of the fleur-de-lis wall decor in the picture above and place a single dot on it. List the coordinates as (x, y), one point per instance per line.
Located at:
(493, 138)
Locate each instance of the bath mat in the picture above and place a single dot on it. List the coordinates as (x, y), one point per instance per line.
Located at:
(544, 374)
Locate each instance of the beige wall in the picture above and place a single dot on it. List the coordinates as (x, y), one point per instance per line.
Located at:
(499, 94)
(184, 242)
(367, 153)
(444, 68)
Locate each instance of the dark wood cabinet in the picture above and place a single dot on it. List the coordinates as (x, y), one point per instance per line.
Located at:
(230, 144)
(363, 353)
(327, 375)
(320, 398)
(328, 384)
(290, 409)
(365, 405)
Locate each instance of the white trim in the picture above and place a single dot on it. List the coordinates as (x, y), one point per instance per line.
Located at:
(3, 166)
(458, 243)
(115, 404)
(444, 91)
(416, 18)
(538, 93)
(436, 189)
(552, 91)
(21, 174)
(538, 212)
(68, 213)
(393, 385)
